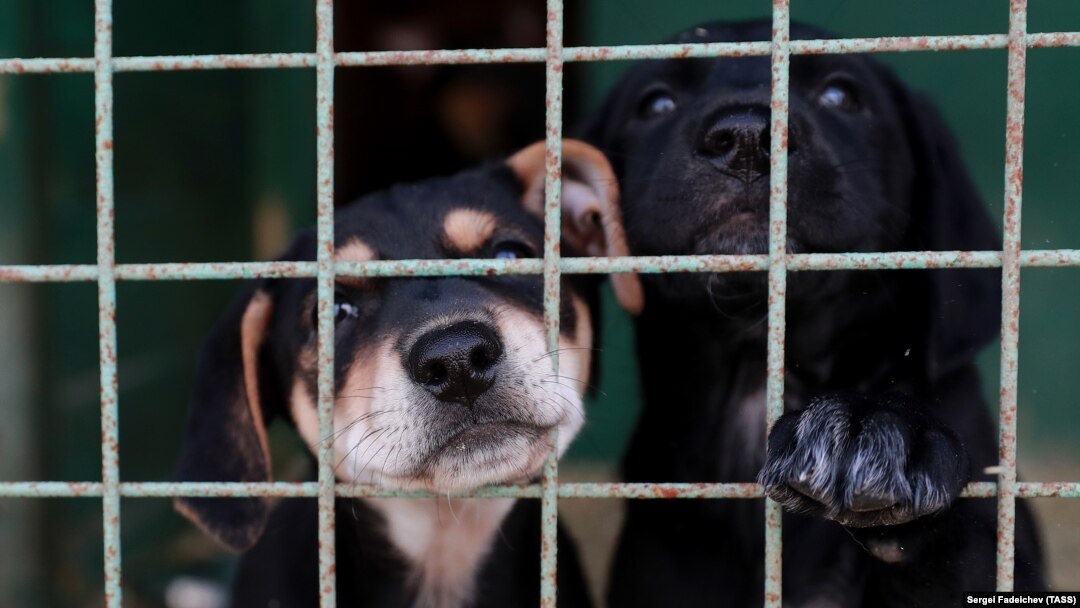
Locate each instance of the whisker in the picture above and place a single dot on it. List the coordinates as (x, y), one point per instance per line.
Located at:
(450, 504)
(359, 472)
(364, 439)
(574, 406)
(584, 384)
(333, 436)
(353, 449)
(579, 391)
(355, 395)
(559, 350)
(382, 470)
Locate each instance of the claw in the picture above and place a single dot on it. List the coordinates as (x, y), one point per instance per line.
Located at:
(815, 494)
(865, 503)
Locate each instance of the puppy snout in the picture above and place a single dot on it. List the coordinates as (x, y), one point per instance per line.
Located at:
(456, 363)
(738, 143)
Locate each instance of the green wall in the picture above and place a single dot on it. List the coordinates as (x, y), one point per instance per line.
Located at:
(209, 167)
(19, 520)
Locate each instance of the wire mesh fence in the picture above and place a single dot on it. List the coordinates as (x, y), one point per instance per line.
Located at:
(777, 263)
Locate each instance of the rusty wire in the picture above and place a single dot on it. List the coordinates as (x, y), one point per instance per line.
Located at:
(105, 272)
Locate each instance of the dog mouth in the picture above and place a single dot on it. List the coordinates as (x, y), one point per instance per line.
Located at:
(740, 221)
(742, 233)
(486, 437)
(485, 453)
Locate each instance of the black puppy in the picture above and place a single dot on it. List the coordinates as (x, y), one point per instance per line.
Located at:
(885, 420)
(441, 384)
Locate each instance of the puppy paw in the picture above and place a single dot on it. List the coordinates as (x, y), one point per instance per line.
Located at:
(863, 462)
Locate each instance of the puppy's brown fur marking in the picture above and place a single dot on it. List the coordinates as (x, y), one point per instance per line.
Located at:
(252, 332)
(354, 250)
(351, 400)
(468, 229)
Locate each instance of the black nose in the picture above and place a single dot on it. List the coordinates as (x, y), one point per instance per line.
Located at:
(738, 143)
(456, 363)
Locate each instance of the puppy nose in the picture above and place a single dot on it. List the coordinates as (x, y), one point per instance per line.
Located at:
(738, 143)
(456, 363)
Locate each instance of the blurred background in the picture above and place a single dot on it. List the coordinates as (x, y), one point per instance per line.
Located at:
(220, 166)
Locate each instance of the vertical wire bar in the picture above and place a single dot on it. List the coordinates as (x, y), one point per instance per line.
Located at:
(774, 384)
(106, 259)
(324, 127)
(553, 66)
(1010, 293)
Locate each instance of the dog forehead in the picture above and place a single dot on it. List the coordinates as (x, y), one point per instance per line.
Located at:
(755, 30)
(806, 71)
(726, 31)
(420, 219)
(742, 71)
(702, 80)
(738, 72)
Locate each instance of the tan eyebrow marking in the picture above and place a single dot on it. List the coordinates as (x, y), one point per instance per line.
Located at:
(468, 229)
(354, 250)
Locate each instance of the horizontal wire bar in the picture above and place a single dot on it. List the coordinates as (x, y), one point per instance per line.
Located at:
(165, 489)
(52, 489)
(893, 260)
(440, 57)
(214, 270)
(53, 273)
(166, 63)
(660, 490)
(47, 65)
(886, 44)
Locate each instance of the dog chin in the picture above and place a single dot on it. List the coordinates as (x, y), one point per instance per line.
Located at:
(748, 240)
(483, 455)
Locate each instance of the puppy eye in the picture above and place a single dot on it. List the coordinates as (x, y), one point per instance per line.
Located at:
(512, 250)
(657, 103)
(345, 310)
(840, 94)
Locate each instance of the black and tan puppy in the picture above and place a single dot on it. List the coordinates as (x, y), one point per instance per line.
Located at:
(441, 384)
(885, 419)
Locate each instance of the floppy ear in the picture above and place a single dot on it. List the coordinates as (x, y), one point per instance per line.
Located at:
(591, 218)
(947, 215)
(226, 433)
